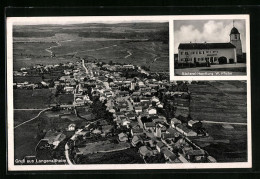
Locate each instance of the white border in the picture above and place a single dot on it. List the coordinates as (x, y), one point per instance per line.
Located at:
(170, 19)
(215, 17)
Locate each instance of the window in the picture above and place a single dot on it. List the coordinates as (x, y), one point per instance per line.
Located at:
(186, 53)
(215, 59)
(181, 53)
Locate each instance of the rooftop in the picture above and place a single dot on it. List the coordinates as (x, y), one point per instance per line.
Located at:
(193, 46)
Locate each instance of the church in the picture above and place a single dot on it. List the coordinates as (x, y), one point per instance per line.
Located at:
(211, 53)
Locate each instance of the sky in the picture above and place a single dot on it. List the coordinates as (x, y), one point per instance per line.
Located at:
(211, 31)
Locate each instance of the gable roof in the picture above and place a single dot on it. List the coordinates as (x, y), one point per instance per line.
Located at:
(192, 46)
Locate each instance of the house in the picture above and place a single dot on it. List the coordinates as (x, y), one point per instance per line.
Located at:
(185, 131)
(125, 122)
(136, 140)
(137, 131)
(131, 116)
(173, 132)
(158, 131)
(160, 120)
(194, 124)
(160, 146)
(107, 129)
(71, 127)
(195, 155)
(122, 137)
(152, 111)
(145, 151)
(54, 138)
(149, 126)
(175, 122)
(123, 93)
(168, 155)
(211, 159)
(168, 136)
(138, 109)
(96, 131)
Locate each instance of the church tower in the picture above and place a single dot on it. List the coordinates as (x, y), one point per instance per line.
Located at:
(235, 40)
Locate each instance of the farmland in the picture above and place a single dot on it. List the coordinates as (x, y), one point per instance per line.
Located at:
(222, 101)
(31, 132)
(34, 99)
(127, 156)
(126, 43)
(226, 99)
(25, 136)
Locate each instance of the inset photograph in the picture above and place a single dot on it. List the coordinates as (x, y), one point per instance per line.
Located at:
(210, 47)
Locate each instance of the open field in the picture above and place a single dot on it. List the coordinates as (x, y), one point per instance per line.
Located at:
(128, 156)
(22, 116)
(25, 136)
(135, 43)
(30, 79)
(103, 147)
(222, 101)
(28, 135)
(32, 99)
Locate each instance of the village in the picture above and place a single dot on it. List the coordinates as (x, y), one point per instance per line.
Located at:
(133, 109)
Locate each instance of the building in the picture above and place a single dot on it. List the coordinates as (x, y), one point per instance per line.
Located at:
(185, 131)
(236, 41)
(213, 53)
(201, 53)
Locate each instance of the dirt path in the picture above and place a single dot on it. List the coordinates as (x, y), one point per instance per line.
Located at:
(129, 54)
(230, 123)
(32, 118)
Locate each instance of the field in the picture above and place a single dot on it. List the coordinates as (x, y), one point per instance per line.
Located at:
(128, 156)
(102, 146)
(25, 136)
(134, 43)
(28, 135)
(32, 99)
(222, 101)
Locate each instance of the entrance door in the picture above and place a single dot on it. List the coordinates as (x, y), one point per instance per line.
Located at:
(222, 60)
(211, 59)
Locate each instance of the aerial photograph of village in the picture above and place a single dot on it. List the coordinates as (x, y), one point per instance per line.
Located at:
(100, 93)
(210, 47)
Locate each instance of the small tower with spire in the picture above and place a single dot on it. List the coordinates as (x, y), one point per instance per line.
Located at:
(235, 40)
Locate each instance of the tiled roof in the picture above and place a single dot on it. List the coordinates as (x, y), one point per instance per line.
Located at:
(205, 45)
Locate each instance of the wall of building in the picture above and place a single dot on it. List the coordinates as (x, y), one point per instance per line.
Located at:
(188, 56)
(235, 40)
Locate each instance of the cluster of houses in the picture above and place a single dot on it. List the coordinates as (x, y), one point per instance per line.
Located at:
(135, 105)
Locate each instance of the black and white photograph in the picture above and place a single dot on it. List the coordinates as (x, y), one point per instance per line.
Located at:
(210, 47)
(91, 93)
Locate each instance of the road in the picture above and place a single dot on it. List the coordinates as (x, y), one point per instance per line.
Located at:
(129, 54)
(230, 123)
(32, 118)
(83, 64)
(67, 154)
